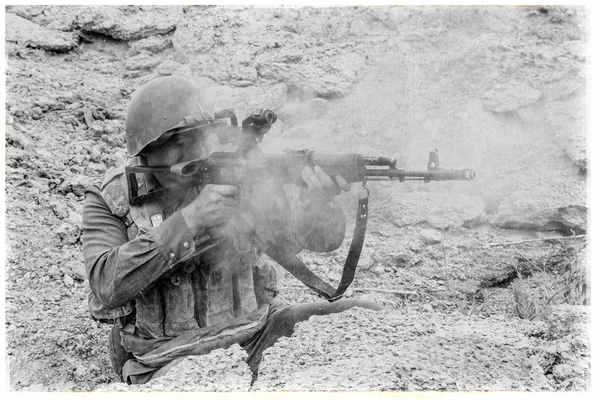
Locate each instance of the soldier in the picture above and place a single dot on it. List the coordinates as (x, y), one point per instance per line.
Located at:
(176, 275)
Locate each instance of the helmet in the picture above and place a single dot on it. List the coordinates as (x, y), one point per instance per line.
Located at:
(161, 106)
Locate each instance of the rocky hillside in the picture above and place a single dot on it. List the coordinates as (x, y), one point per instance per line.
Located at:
(498, 89)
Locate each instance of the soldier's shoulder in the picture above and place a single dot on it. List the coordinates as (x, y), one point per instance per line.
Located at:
(98, 184)
(113, 174)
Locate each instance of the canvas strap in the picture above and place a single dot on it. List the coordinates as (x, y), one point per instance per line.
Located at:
(291, 263)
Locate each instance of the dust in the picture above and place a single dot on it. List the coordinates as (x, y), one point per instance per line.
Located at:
(497, 89)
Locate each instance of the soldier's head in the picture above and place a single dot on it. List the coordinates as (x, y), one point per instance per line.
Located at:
(169, 121)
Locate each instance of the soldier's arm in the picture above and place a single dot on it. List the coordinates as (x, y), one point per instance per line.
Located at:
(119, 269)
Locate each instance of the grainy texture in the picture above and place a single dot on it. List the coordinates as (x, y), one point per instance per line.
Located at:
(498, 89)
(364, 350)
(221, 370)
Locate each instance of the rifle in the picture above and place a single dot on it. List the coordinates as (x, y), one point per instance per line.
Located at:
(248, 164)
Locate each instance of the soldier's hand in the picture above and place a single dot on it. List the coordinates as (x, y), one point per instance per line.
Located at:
(319, 182)
(214, 206)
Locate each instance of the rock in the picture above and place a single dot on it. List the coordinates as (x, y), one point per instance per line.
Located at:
(28, 34)
(98, 114)
(95, 169)
(573, 217)
(574, 385)
(168, 67)
(47, 103)
(116, 157)
(68, 233)
(135, 74)
(142, 61)
(96, 153)
(74, 218)
(18, 139)
(18, 157)
(113, 128)
(577, 152)
(430, 236)
(115, 141)
(59, 209)
(75, 184)
(308, 80)
(243, 75)
(27, 12)
(53, 271)
(88, 117)
(129, 22)
(36, 113)
(562, 372)
(153, 44)
(378, 269)
(194, 36)
(76, 269)
(41, 184)
(315, 108)
(68, 281)
(510, 96)
(17, 111)
(21, 114)
(311, 76)
(81, 370)
(117, 112)
(109, 128)
(97, 128)
(51, 17)
(569, 220)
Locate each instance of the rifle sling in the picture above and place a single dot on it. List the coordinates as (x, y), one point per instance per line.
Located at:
(291, 263)
(358, 238)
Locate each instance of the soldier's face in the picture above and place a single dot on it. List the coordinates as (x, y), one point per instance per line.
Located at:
(180, 148)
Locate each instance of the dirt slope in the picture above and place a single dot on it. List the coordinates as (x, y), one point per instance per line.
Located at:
(497, 89)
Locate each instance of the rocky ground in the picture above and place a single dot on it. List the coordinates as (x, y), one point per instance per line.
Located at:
(486, 282)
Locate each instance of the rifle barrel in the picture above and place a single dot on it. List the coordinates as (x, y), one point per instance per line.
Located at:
(465, 174)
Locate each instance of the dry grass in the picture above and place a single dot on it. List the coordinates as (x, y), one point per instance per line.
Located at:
(527, 305)
(561, 279)
(468, 305)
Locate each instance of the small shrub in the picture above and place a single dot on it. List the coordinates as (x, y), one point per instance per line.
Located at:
(527, 305)
(465, 305)
(562, 279)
